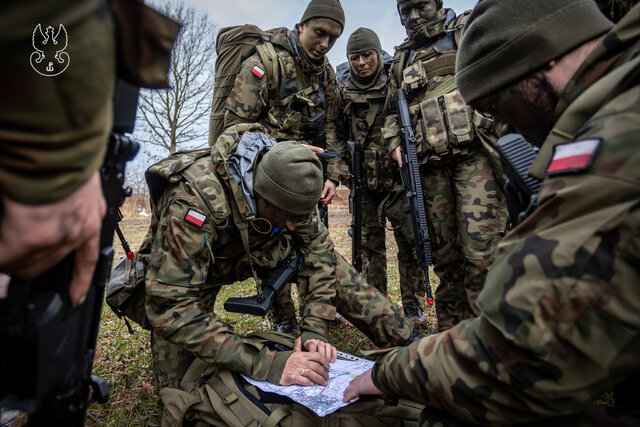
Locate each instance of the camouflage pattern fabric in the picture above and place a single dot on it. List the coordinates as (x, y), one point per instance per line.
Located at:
(52, 136)
(560, 309)
(253, 101)
(189, 263)
(378, 177)
(465, 206)
(466, 222)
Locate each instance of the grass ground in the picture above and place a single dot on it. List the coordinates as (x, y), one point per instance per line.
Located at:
(124, 360)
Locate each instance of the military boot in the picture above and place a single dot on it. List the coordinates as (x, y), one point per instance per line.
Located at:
(288, 326)
(416, 315)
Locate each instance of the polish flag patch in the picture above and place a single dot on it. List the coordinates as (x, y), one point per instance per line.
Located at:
(257, 71)
(573, 156)
(196, 218)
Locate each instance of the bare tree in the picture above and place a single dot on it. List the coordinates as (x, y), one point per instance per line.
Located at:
(175, 117)
(615, 9)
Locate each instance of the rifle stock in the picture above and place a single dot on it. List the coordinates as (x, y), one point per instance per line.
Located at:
(410, 176)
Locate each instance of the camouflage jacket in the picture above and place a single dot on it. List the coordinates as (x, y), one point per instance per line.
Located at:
(560, 307)
(284, 104)
(196, 248)
(361, 119)
(443, 124)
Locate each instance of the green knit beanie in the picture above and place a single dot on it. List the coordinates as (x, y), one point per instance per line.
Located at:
(362, 40)
(505, 41)
(289, 177)
(331, 9)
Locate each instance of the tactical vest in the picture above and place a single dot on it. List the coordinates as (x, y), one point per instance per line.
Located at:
(365, 119)
(443, 123)
(293, 96)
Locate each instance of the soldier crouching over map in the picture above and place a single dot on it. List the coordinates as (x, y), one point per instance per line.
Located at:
(211, 207)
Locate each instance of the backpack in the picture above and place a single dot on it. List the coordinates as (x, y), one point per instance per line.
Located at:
(218, 397)
(234, 45)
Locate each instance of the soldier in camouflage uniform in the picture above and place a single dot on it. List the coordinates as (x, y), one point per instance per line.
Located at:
(561, 303)
(465, 206)
(305, 85)
(204, 210)
(361, 103)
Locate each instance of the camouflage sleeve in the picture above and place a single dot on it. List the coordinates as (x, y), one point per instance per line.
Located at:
(342, 136)
(316, 280)
(560, 308)
(391, 129)
(336, 168)
(180, 298)
(249, 94)
(54, 129)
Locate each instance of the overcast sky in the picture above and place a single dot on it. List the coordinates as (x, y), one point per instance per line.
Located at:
(379, 15)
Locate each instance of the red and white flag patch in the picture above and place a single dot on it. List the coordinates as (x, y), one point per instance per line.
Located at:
(573, 156)
(196, 218)
(257, 71)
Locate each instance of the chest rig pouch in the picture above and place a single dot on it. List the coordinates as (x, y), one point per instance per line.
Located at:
(366, 119)
(443, 123)
(292, 99)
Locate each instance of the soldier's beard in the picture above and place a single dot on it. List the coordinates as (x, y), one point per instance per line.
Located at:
(540, 99)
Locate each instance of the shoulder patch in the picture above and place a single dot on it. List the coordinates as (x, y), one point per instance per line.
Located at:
(573, 156)
(196, 218)
(258, 72)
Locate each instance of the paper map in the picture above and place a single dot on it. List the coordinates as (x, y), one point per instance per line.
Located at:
(321, 400)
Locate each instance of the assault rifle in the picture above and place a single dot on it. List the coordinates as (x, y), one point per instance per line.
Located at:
(47, 343)
(521, 190)
(316, 125)
(355, 204)
(258, 305)
(410, 176)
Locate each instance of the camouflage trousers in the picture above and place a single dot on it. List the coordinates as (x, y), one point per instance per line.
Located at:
(466, 211)
(361, 304)
(374, 255)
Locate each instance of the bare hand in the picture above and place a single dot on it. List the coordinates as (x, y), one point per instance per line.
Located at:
(304, 368)
(34, 238)
(396, 155)
(329, 352)
(328, 191)
(360, 385)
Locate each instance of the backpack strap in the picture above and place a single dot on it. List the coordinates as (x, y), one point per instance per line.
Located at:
(278, 415)
(269, 58)
(232, 401)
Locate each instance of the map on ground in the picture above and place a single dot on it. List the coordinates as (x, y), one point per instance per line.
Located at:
(321, 400)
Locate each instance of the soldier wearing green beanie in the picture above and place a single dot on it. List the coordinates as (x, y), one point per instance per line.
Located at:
(331, 9)
(282, 101)
(560, 309)
(289, 177)
(206, 206)
(459, 167)
(361, 103)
